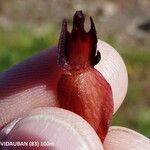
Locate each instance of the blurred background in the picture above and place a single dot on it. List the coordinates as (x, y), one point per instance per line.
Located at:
(28, 26)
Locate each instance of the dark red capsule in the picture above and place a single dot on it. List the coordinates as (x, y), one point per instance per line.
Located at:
(81, 88)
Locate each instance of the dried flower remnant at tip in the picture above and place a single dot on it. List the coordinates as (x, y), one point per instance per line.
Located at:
(81, 88)
(78, 47)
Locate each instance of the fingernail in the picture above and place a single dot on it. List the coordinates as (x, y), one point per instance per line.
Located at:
(5, 131)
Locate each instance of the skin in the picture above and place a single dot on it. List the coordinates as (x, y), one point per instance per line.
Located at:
(29, 89)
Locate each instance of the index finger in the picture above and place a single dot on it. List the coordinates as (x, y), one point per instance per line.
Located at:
(33, 83)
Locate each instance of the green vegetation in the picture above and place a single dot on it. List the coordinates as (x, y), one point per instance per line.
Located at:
(22, 42)
(135, 111)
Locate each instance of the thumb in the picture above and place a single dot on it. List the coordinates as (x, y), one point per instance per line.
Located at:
(59, 129)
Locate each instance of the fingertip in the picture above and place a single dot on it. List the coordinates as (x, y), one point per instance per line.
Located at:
(63, 129)
(114, 70)
(120, 138)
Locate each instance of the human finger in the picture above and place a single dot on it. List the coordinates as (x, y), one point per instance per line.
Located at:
(120, 138)
(59, 128)
(114, 70)
(33, 83)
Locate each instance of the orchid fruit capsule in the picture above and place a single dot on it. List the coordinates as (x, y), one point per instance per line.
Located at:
(81, 88)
